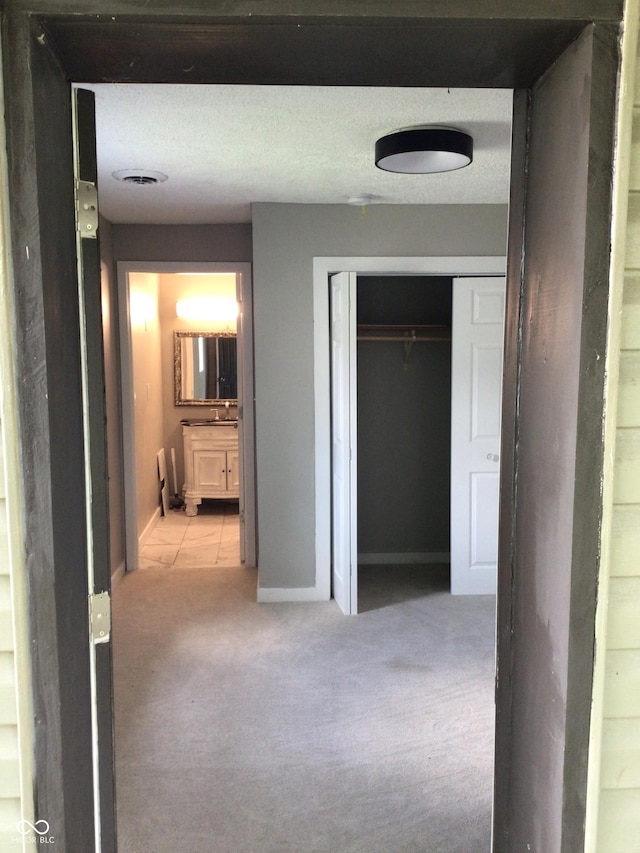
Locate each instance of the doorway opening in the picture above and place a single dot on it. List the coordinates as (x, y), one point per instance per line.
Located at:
(525, 50)
(160, 402)
(450, 450)
(404, 437)
(336, 422)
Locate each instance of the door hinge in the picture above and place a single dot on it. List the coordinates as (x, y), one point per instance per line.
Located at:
(86, 195)
(100, 617)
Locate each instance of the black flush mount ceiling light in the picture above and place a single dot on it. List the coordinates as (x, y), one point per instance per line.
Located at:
(424, 150)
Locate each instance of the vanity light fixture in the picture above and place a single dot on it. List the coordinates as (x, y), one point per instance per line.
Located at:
(211, 309)
(424, 150)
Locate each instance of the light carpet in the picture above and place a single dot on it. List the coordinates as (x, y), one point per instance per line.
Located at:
(290, 727)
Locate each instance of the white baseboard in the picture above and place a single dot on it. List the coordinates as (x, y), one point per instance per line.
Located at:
(146, 533)
(118, 574)
(273, 595)
(404, 558)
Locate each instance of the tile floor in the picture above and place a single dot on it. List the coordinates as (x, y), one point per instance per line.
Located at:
(209, 539)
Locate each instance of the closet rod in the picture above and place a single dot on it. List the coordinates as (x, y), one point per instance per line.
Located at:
(406, 339)
(403, 333)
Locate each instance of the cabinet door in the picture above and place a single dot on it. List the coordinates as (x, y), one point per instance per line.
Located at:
(210, 471)
(233, 471)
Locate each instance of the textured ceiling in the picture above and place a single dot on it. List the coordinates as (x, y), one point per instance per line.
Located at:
(224, 147)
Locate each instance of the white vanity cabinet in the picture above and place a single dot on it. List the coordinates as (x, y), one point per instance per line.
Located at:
(210, 462)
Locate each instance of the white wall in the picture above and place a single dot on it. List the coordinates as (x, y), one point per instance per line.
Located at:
(286, 238)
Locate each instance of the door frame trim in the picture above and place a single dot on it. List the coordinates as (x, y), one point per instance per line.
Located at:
(323, 267)
(245, 338)
(36, 71)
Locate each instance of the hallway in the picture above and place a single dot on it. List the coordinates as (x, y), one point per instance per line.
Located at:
(289, 727)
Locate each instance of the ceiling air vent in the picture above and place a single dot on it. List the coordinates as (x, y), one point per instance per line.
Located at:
(140, 177)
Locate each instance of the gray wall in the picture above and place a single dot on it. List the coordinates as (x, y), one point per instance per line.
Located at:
(285, 240)
(182, 243)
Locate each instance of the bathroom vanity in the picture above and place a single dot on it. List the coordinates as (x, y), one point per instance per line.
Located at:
(211, 461)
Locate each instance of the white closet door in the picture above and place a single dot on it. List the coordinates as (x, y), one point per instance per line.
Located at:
(343, 432)
(476, 391)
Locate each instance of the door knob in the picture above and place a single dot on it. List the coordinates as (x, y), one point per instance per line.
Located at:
(493, 457)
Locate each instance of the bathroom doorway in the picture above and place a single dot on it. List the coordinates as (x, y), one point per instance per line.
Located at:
(153, 408)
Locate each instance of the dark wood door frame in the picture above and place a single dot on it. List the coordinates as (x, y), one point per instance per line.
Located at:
(47, 44)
